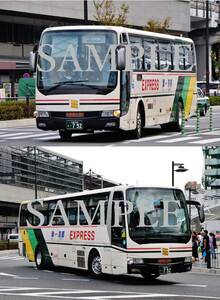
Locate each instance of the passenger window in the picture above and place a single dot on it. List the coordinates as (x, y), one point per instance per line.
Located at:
(147, 54)
(137, 63)
(165, 56)
(186, 55)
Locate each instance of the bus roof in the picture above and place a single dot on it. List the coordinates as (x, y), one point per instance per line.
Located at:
(120, 30)
(91, 192)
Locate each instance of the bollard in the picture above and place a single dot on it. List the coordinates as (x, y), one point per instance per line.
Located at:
(210, 119)
(183, 131)
(198, 121)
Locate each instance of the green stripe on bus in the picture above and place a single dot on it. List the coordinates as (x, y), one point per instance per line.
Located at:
(32, 239)
(185, 89)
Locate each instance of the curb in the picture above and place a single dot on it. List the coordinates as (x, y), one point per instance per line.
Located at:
(17, 123)
(207, 271)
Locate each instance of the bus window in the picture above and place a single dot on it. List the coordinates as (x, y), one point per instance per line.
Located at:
(118, 234)
(43, 210)
(93, 203)
(147, 54)
(25, 215)
(57, 219)
(137, 64)
(186, 54)
(165, 56)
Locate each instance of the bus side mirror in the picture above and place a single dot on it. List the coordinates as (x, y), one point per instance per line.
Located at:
(201, 213)
(200, 209)
(33, 58)
(120, 58)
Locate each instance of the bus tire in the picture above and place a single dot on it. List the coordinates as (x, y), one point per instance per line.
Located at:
(39, 259)
(65, 135)
(138, 132)
(150, 276)
(94, 265)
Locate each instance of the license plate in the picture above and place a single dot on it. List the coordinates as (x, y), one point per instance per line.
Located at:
(77, 125)
(164, 269)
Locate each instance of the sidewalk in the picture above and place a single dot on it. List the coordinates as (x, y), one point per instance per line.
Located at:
(17, 123)
(200, 267)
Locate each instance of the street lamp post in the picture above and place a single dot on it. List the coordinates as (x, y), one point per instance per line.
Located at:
(180, 168)
(207, 47)
(85, 12)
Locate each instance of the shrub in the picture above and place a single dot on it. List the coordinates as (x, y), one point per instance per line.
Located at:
(4, 245)
(10, 110)
(214, 100)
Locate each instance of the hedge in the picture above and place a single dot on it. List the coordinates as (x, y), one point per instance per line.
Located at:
(214, 100)
(4, 245)
(12, 110)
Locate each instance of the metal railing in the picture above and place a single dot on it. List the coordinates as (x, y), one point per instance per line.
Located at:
(215, 259)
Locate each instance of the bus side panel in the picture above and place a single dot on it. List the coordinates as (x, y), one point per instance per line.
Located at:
(29, 243)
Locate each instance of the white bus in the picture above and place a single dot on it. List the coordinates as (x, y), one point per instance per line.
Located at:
(152, 84)
(119, 230)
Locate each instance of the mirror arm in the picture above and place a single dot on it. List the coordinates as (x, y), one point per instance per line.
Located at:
(193, 202)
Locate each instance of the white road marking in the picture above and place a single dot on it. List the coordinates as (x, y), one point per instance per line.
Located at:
(146, 139)
(10, 257)
(64, 292)
(216, 132)
(12, 134)
(75, 279)
(193, 285)
(207, 141)
(180, 139)
(25, 136)
(7, 274)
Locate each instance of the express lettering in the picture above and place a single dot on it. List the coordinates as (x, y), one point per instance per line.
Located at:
(85, 235)
(150, 85)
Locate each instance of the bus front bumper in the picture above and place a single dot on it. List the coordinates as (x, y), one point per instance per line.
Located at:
(83, 124)
(149, 266)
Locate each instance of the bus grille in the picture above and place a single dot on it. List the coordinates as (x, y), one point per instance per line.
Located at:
(81, 259)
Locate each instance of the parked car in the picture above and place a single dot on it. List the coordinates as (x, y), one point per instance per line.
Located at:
(202, 102)
(13, 237)
(214, 87)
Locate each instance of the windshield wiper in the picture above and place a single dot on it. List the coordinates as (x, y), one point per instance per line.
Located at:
(70, 82)
(61, 83)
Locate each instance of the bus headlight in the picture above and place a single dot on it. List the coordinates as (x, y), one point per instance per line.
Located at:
(41, 114)
(188, 259)
(131, 261)
(111, 113)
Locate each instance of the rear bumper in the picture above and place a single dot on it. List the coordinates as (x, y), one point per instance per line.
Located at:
(89, 123)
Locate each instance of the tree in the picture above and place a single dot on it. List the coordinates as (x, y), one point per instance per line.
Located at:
(158, 26)
(106, 13)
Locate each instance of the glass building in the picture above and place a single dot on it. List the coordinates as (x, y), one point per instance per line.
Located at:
(211, 175)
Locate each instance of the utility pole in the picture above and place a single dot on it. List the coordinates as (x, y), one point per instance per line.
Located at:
(85, 12)
(35, 172)
(207, 47)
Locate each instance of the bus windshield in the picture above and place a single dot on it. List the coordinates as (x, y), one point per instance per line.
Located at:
(70, 64)
(159, 215)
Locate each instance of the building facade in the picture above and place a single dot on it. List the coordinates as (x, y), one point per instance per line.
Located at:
(22, 22)
(211, 176)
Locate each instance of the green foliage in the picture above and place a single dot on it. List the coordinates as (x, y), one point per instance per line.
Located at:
(214, 100)
(158, 26)
(4, 245)
(12, 110)
(106, 13)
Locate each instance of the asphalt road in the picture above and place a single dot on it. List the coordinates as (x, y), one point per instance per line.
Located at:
(153, 136)
(20, 279)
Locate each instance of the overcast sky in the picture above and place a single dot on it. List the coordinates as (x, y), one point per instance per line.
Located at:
(139, 165)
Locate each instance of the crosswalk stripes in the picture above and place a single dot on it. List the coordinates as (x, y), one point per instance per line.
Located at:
(74, 293)
(190, 138)
(11, 258)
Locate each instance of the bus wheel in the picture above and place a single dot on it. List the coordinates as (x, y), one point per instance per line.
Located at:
(95, 266)
(65, 135)
(139, 126)
(39, 259)
(150, 276)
